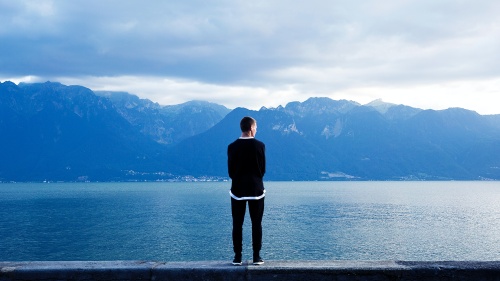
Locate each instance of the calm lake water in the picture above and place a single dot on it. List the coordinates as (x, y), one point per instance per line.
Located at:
(302, 221)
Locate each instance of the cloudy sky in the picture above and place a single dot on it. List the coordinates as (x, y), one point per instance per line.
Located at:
(423, 53)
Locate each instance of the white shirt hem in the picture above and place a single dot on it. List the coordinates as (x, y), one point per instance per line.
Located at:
(247, 198)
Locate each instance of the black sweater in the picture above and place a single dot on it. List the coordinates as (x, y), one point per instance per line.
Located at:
(246, 162)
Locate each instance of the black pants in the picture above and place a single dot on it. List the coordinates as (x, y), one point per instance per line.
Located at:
(256, 208)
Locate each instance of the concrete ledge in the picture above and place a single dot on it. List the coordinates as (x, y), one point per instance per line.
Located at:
(271, 270)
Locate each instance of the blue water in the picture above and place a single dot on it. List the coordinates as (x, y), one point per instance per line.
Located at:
(302, 221)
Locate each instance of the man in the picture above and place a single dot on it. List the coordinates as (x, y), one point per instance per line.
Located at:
(246, 162)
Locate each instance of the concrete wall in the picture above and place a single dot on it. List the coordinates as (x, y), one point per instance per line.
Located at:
(271, 270)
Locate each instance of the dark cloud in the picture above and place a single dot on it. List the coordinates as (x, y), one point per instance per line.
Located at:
(318, 46)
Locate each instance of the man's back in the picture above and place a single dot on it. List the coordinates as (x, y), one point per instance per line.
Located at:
(246, 167)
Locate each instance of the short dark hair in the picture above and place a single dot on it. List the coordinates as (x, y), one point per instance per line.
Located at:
(246, 123)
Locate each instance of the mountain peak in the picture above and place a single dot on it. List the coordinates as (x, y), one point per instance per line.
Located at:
(127, 100)
(380, 105)
(320, 105)
(196, 106)
(7, 84)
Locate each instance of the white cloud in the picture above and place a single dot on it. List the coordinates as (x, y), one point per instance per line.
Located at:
(465, 94)
(167, 91)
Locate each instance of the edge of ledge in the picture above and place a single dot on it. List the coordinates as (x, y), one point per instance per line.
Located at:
(271, 270)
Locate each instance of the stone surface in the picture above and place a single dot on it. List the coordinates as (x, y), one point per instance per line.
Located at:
(271, 270)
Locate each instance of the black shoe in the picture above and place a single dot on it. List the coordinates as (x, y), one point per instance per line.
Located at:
(258, 261)
(237, 260)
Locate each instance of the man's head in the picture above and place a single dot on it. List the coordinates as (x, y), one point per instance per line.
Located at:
(248, 124)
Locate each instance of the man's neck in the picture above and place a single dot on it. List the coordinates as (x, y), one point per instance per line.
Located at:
(246, 135)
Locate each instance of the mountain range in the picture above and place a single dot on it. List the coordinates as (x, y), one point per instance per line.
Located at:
(54, 132)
